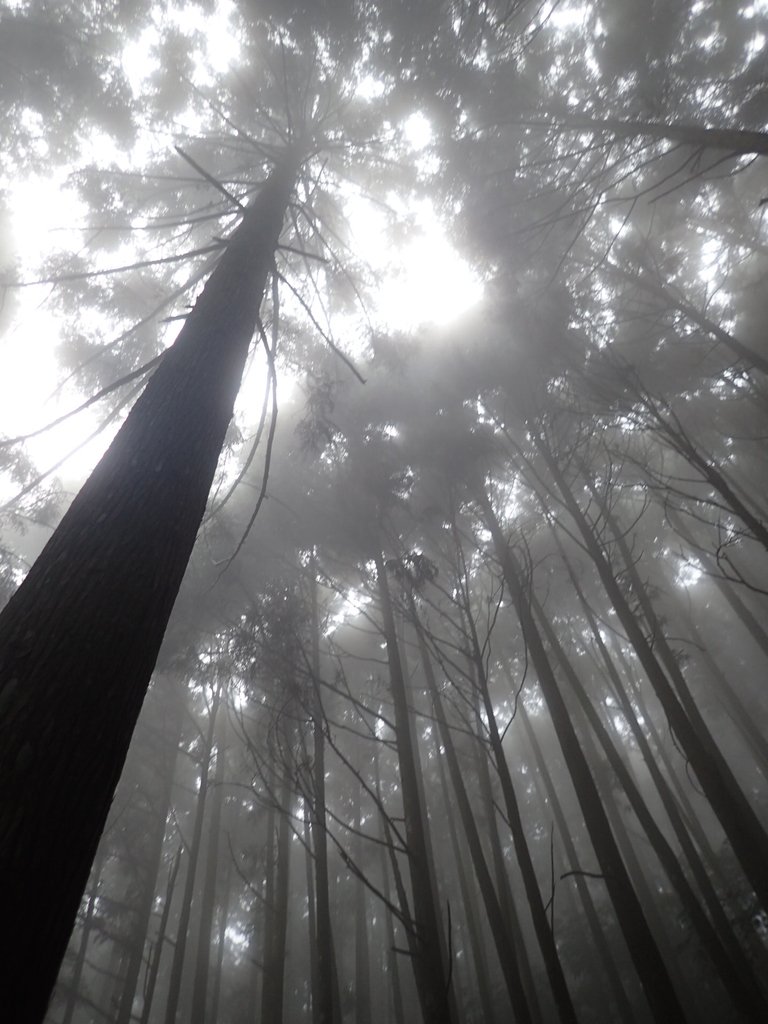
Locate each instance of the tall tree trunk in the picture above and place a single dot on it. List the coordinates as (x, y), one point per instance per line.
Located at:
(650, 282)
(323, 996)
(744, 986)
(362, 957)
(195, 844)
(505, 946)
(623, 1005)
(541, 925)
(730, 962)
(732, 140)
(277, 916)
(429, 969)
(648, 963)
(724, 588)
(470, 907)
(309, 864)
(157, 952)
(85, 935)
(221, 940)
(738, 819)
(79, 639)
(169, 737)
(392, 974)
(198, 1011)
(749, 728)
(503, 887)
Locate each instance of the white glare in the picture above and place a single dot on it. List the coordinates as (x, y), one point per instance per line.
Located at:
(433, 285)
(423, 278)
(417, 131)
(689, 574)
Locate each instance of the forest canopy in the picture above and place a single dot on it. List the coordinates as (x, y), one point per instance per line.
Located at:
(383, 531)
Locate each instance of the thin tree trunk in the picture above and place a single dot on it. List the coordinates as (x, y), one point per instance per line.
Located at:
(505, 947)
(429, 970)
(648, 963)
(195, 844)
(221, 939)
(157, 953)
(730, 962)
(85, 935)
(623, 1005)
(469, 906)
(79, 639)
(506, 898)
(650, 283)
(541, 925)
(724, 588)
(323, 995)
(751, 733)
(143, 916)
(309, 864)
(362, 960)
(198, 1011)
(741, 141)
(744, 987)
(747, 836)
(272, 993)
(393, 986)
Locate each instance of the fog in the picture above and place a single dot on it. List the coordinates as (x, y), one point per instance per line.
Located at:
(383, 534)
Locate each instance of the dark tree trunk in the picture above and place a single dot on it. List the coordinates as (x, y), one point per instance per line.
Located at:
(723, 928)
(541, 925)
(85, 935)
(199, 1013)
(471, 908)
(505, 946)
(276, 930)
(729, 963)
(79, 639)
(724, 588)
(426, 949)
(323, 995)
(648, 963)
(157, 952)
(481, 764)
(362, 953)
(623, 1007)
(738, 819)
(392, 971)
(309, 864)
(169, 737)
(195, 845)
(733, 140)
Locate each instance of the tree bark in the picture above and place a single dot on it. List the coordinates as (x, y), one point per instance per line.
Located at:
(738, 819)
(505, 946)
(541, 925)
(154, 965)
(323, 996)
(168, 756)
(729, 962)
(195, 844)
(362, 954)
(276, 930)
(429, 970)
(648, 963)
(623, 1006)
(199, 1010)
(79, 639)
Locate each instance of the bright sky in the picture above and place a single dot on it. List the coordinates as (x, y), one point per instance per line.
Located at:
(422, 281)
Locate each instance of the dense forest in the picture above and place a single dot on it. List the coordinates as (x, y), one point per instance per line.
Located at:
(385, 579)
